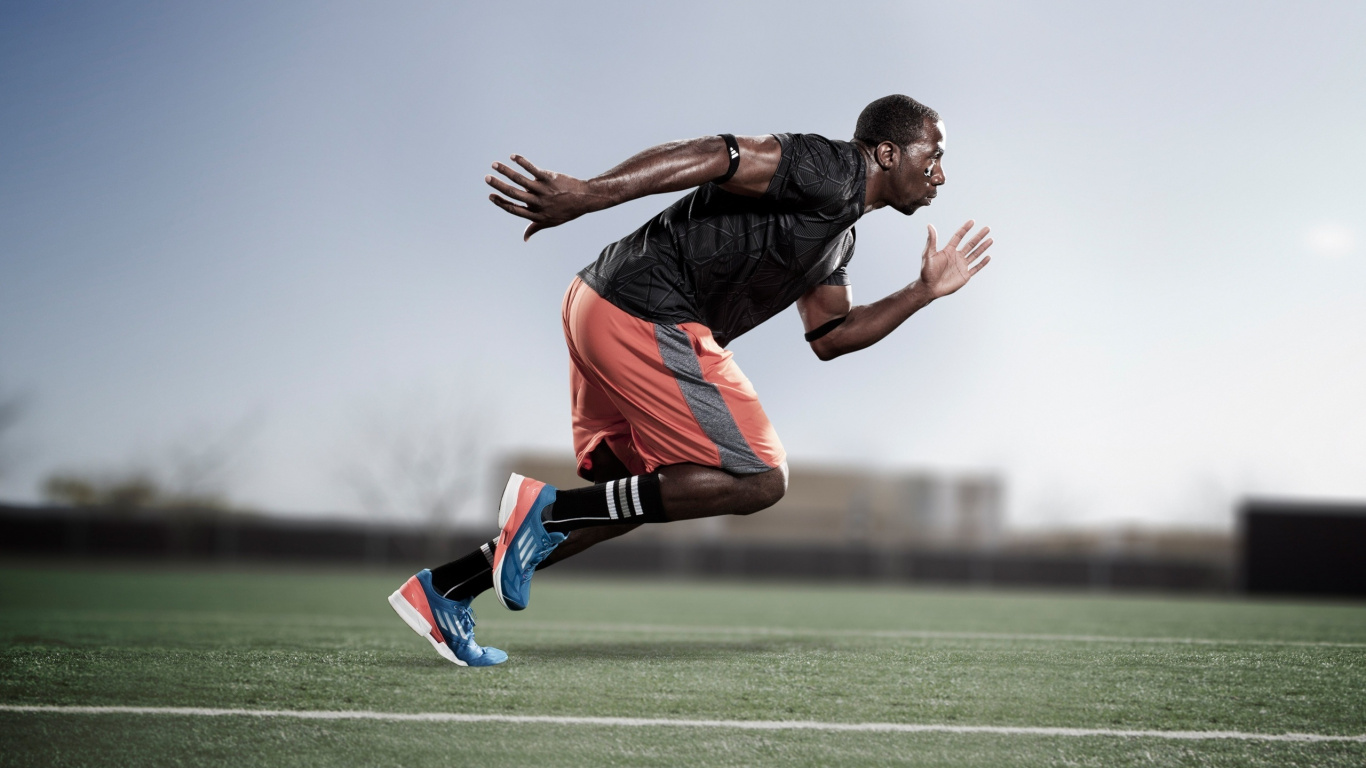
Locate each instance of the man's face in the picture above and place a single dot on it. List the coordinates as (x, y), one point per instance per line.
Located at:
(919, 170)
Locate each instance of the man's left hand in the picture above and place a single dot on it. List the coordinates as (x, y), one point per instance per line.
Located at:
(945, 271)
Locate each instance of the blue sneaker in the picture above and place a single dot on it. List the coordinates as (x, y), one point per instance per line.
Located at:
(447, 624)
(523, 542)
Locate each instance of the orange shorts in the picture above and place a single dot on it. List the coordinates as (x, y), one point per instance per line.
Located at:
(659, 394)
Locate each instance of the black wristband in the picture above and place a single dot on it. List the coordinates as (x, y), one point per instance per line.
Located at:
(732, 149)
(814, 334)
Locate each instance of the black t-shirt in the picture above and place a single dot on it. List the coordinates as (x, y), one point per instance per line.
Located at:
(731, 262)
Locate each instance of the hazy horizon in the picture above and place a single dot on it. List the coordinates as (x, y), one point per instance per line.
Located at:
(264, 227)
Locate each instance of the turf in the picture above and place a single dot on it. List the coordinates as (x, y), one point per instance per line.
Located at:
(327, 640)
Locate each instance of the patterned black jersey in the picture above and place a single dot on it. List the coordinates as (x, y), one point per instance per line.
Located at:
(731, 262)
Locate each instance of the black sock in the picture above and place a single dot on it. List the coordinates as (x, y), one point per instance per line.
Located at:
(468, 576)
(629, 500)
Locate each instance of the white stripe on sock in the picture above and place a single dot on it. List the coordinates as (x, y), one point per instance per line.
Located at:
(635, 494)
(611, 499)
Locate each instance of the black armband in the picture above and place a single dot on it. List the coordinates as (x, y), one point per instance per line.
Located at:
(732, 149)
(812, 335)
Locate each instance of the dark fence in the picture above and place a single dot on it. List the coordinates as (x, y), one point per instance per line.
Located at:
(162, 535)
(1305, 549)
(191, 535)
(861, 563)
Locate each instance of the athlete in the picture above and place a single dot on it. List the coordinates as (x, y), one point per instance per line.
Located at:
(665, 424)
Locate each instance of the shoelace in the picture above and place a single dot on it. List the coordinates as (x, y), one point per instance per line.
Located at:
(543, 551)
(465, 620)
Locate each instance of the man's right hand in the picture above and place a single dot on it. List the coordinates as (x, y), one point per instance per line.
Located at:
(548, 198)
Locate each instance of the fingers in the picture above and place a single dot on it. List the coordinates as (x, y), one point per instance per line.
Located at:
(978, 251)
(525, 192)
(977, 238)
(978, 267)
(513, 208)
(931, 241)
(512, 174)
(525, 163)
(515, 193)
(958, 236)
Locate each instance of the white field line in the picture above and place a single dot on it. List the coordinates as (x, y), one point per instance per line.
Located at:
(609, 628)
(652, 722)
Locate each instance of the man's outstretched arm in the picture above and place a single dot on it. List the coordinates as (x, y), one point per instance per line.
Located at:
(836, 327)
(549, 199)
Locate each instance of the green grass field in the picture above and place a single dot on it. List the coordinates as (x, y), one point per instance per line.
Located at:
(316, 640)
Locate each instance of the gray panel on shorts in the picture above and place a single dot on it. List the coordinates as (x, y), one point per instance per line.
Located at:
(705, 402)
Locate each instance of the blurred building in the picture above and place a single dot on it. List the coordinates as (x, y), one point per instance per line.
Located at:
(910, 526)
(834, 505)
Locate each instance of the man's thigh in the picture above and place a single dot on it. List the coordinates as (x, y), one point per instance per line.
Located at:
(661, 394)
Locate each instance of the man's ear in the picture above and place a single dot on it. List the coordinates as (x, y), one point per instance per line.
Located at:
(886, 154)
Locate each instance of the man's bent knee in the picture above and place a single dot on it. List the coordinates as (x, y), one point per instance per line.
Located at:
(769, 488)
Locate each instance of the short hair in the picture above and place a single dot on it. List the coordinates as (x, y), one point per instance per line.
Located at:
(896, 118)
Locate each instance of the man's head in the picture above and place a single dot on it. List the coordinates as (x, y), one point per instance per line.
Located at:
(906, 139)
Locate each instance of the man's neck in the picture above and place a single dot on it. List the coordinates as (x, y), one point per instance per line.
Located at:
(873, 178)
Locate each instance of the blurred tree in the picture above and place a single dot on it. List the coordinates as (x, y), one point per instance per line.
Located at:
(11, 410)
(199, 466)
(132, 490)
(193, 477)
(418, 460)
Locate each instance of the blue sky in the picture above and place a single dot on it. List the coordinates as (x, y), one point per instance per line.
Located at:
(269, 220)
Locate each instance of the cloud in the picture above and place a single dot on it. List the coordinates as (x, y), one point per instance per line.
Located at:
(1331, 239)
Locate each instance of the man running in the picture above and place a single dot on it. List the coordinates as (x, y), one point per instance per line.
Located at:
(665, 423)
